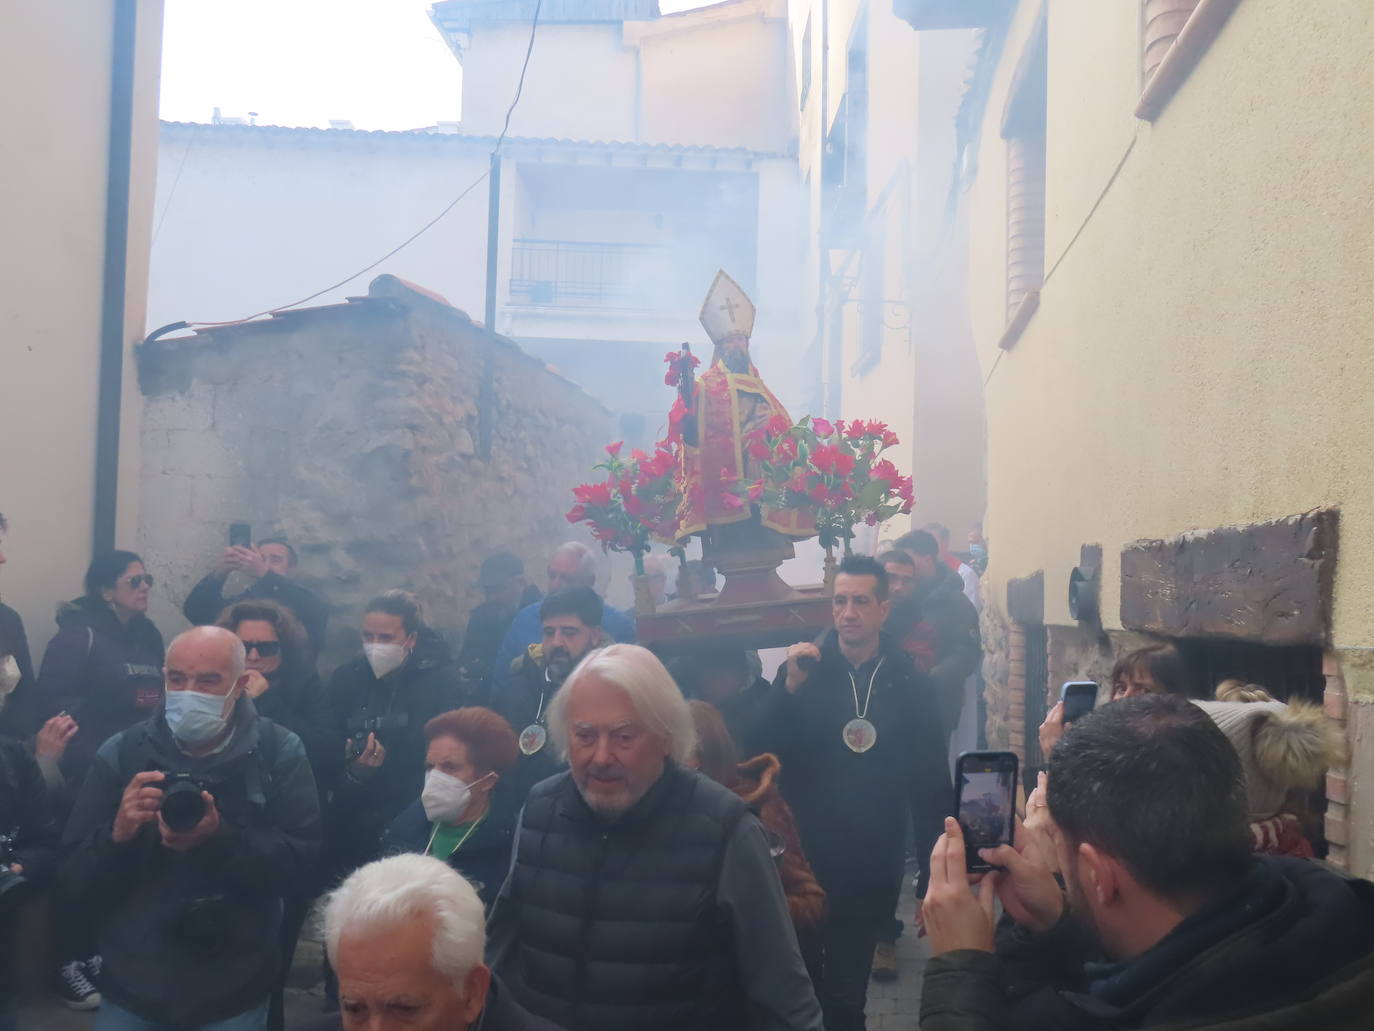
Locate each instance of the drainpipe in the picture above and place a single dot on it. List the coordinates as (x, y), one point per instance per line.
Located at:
(113, 284)
(823, 251)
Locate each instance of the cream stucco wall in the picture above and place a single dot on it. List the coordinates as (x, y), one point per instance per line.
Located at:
(55, 107)
(1201, 356)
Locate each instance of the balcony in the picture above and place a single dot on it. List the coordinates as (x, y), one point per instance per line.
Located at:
(621, 276)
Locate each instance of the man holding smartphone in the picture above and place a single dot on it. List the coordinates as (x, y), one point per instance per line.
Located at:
(271, 567)
(859, 736)
(1166, 917)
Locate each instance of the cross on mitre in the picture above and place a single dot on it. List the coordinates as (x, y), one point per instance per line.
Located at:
(727, 310)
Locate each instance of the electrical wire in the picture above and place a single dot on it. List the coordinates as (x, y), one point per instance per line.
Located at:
(496, 149)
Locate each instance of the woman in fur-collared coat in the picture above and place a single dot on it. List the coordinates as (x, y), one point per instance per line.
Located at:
(1285, 750)
(756, 782)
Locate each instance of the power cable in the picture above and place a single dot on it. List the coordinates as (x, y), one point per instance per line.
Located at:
(496, 149)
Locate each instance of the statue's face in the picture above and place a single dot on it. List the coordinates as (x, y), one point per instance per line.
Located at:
(734, 352)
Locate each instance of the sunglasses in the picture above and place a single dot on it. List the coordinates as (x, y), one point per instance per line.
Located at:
(265, 649)
(135, 582)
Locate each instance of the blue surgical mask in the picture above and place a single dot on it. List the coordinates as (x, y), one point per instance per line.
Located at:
(194, 717)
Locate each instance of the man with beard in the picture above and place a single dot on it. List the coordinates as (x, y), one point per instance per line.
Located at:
(642, 894)
(571, 627)
(1168, 919)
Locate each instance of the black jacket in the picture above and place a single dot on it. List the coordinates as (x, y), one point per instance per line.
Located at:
(206, 601)
(484, 858)
(613, 926)
(27, 824)
(1291, 950)
(194, 938)
(106, 674)
(297, 701)
(501, 1013)
(21, 708)
(523, 699)
(851, 808)
(406, 700)
(949, 622)
(487, 625)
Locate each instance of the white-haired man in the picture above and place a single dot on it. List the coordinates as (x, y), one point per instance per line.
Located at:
(573, 565)
(642, 894)
(405, 936)
(187, 834)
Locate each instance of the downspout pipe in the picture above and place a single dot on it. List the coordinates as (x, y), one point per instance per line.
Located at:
(115, 275)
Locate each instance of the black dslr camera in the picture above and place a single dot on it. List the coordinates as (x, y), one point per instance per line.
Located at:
(15, 888)
(363, 724)
(182, 804)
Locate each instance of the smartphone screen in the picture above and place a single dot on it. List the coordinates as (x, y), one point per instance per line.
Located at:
(240, 535)
(1079, 697)
(986, 783)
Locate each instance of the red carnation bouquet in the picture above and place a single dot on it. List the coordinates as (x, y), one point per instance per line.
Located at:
(636, 502)
(834, 469)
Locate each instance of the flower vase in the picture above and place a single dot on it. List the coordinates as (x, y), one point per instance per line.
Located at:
(644, 596)
(831, 568)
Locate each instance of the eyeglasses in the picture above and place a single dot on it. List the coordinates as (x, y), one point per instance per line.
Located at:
(265, 649)
(135, 582)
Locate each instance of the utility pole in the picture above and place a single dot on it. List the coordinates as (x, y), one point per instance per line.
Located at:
(493, 237)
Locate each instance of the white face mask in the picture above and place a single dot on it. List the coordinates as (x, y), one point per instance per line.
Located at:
(445, 797)
(9, 677)
(385, 658)
(196, 718)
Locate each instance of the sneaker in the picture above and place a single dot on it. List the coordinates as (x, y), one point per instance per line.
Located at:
(74, 988)
(93, 967)
(885, 961)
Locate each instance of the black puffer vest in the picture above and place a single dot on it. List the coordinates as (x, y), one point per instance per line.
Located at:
(618, 928)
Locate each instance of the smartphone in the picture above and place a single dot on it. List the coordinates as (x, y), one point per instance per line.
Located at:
(1079, 697)
(240, 535)
(986, 803)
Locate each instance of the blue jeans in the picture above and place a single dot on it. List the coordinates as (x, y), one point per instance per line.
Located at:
(112, 1018)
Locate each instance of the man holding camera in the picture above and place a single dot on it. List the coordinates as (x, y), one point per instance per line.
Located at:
(270, 569)
(187, 834)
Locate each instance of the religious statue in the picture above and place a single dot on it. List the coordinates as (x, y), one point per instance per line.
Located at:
(725, 404)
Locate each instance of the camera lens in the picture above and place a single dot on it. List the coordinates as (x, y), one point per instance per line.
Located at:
(182, 806)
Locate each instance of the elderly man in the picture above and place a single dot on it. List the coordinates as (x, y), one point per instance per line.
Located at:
(271, 567)
(1165, 917)
(642, 895)
(572, 565)
(406, 935)
(190, 830)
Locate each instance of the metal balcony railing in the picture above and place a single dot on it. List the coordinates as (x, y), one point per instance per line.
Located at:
(559, 274)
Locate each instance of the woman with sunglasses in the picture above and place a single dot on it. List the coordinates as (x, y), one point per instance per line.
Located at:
(283, 683)
(104, 670)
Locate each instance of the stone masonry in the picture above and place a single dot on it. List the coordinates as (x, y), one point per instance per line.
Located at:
(391, 439)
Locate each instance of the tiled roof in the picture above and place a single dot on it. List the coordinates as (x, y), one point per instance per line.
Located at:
(431, 138)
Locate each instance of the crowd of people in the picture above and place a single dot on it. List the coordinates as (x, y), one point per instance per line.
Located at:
(550, 828)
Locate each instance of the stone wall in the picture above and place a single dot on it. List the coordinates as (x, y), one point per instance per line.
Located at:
(359, 431)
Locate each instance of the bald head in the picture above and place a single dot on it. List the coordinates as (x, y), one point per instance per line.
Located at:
(573, 565)
(205, 658)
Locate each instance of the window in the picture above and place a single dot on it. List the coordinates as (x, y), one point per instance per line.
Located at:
(1023, 127)
(1174, 34)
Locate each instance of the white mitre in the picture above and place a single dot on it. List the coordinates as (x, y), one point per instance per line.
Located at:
(727, 310)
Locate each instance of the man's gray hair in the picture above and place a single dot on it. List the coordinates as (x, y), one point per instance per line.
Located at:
(651, 689)
(392, 893)
(238, 656)
(585, 556)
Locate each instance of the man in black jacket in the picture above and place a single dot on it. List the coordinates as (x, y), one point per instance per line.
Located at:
(272, 568)
(944, 640)
(502, 579)
(28, 848)
(642, 894)
(857, 731)
(1168, 918)
(187, 834)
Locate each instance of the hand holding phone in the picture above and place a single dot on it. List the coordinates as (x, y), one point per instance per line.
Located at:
(1079, 697)
(240, 535)
(985, 783)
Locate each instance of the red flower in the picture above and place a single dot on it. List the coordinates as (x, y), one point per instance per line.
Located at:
(822, 427)
(593, 494)
(577, 513)
(777, 425)
(786, 450)
(798, 481)
(820, 494)
(830, 459)
(854, 430)
(876, 429)
(731, 501)
(890, 439)
(755, 491)
(614, 449)
(904, 491)
(907, 506)
(759, 449)
(638, 456)
(871, 519)
(887, 472)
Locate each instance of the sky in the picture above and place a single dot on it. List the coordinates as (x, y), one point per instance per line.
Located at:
(380, 64)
